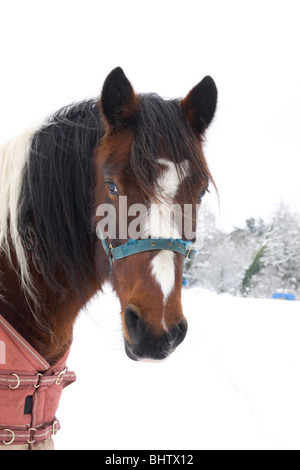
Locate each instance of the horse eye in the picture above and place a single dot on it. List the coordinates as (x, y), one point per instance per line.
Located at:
(112, 188)
(202, 194)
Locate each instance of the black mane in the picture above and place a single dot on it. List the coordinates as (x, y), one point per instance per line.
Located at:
(56, 197)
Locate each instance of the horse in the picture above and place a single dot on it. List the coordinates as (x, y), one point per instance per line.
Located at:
(56, 180)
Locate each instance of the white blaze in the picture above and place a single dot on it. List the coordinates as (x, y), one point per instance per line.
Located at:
(163, 269)
(162, 226)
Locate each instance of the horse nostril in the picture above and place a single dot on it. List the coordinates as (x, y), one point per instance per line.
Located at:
(182, 327)
(178, 333)
(132, 321)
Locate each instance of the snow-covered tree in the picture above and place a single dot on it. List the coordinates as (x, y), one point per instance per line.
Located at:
(280, 260)
(252, 261)
(221, 263)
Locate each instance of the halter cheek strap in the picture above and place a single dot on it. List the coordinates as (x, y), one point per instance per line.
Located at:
(132, 247)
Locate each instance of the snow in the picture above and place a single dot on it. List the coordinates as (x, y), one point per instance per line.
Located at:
(233, 383)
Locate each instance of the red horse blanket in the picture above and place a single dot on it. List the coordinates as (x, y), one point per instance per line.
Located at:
(30, 390)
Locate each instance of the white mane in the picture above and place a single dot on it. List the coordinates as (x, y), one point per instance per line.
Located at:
(13, 158)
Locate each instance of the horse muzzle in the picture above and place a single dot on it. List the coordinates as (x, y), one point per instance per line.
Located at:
(144, 344)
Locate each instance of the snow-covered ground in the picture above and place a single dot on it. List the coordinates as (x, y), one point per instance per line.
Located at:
(233, 384)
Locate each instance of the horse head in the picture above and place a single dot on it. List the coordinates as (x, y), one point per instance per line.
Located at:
(151, 175)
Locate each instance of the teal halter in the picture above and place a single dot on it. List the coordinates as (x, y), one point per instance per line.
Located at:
(132, 247)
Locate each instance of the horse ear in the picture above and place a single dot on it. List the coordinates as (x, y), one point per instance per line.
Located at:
(200, 104)
(118, 100)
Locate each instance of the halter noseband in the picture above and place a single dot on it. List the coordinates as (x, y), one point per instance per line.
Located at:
(132, 247)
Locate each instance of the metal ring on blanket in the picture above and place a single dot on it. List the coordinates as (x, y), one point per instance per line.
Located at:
(18, 384)
(12, 439)
(31, 430)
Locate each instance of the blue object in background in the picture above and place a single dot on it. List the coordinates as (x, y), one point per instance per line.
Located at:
(284, 296)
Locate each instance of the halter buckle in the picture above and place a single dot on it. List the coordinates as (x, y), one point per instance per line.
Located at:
(111, 258)
(187, 256)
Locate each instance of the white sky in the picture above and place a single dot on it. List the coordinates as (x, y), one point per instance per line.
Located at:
(53, 53)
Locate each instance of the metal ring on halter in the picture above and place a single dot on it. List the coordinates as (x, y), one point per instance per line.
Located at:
(18, 384)
(31, 442)
(12, 439)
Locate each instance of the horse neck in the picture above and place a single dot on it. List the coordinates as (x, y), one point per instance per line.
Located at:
(46, 322)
